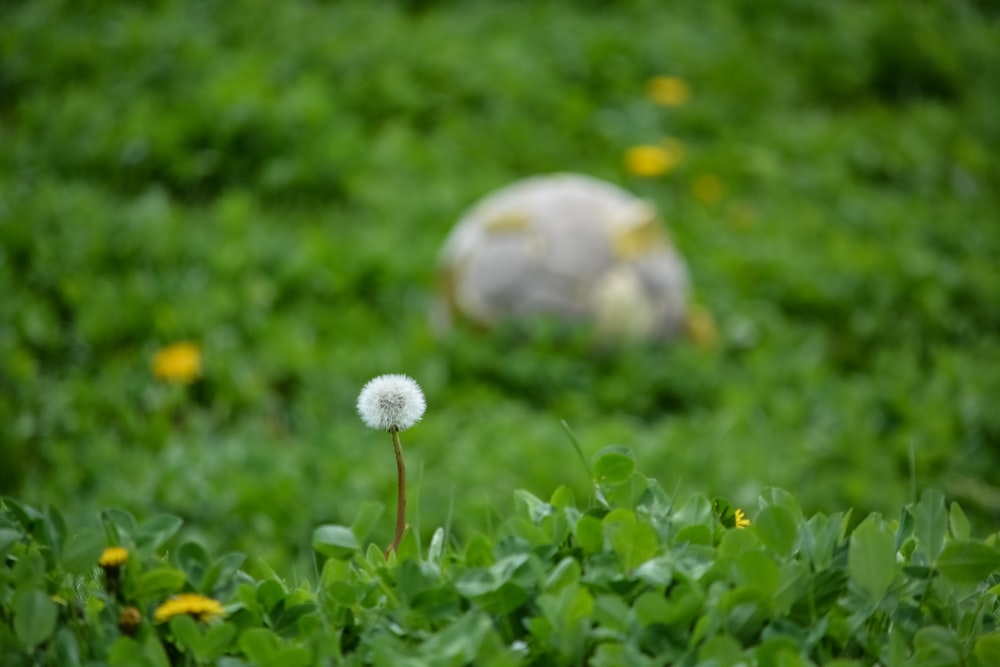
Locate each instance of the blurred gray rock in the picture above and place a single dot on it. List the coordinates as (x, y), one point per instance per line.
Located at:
(568, 246)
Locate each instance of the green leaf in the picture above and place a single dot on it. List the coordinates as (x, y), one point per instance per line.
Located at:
(35, 616)
(987, 649)
(589, 534)
(563, 497)
(159, 582)
(335, 541)
(613, 464)
(185, 630)
(652, 608)
(958, 523)
(366, 519)
(194, 560)
(216, 641)
(930, 524)
(871, 556)
(155, 531)
(935, 646)
(222, 571)
(775, 526)
(968, 562)
(119, 524)
(260, 645)
(82, 550)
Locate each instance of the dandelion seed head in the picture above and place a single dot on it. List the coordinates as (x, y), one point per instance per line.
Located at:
(391, 401)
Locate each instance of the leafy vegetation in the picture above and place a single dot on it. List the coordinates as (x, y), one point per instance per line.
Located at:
(269, 185)
(628, 578)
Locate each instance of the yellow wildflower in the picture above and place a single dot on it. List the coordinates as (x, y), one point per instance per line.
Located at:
(197, 606)
(668, 91)
(654, 160)
(707, 189)
(741, 519)
(180, 362)
(113, 557)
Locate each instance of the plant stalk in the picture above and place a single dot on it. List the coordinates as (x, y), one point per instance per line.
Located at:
(400, 493)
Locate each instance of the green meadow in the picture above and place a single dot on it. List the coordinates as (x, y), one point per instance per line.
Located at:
(271, 183)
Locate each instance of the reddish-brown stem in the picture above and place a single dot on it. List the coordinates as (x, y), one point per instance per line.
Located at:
(400, 493)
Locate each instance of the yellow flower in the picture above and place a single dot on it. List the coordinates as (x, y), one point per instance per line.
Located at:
(741, 519)
(197, 606)
(113, 557)
(654, 160)
(180, 362)
(668, 91)
(707, 189)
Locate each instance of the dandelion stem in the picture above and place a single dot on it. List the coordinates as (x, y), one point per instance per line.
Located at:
(401, 492)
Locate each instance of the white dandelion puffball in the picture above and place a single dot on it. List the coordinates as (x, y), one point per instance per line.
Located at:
(569, 246)
(391, 401)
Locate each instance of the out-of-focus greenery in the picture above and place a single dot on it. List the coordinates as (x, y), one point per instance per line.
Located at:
(272, 181)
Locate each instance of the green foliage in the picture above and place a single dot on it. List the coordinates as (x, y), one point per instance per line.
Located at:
(629, 577)
(272, 181)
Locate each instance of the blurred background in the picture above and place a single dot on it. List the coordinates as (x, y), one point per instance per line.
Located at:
(218, 220)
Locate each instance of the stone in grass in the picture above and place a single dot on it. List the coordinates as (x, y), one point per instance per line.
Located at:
(568, 247)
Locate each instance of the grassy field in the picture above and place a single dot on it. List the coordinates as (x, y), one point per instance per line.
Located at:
(272, 182)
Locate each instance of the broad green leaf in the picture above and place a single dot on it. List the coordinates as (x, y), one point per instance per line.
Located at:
(270, 593)
(8, 538)
(613, 464)
(35, 616)
(968, 562)
(335, 541)
(155, 531)
(479, 551)
(460, 642)
(185, 630)
(589, 534)
(260, 645)
(871, 556)
(82, 549)
(936, 646)
(222, 571)
(563, 497)
(930, 524)
(158, 582)
(565, 573)
(194, 560)
(758, 570)
(127, 652)
(366, 520)
(652, 608)
(958, 523)
(987, 649)
(119, 524)
(216, 641)
(775, 526)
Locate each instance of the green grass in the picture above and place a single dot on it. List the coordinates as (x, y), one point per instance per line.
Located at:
(273, 182)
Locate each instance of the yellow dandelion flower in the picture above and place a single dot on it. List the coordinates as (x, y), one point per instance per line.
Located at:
(668, 91)
(113, 557)
(654, 160)
(180, 363)
(741, 519)
(197, 606)
(707, 189)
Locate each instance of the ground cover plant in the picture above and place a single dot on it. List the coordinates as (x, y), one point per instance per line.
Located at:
(217, 224)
